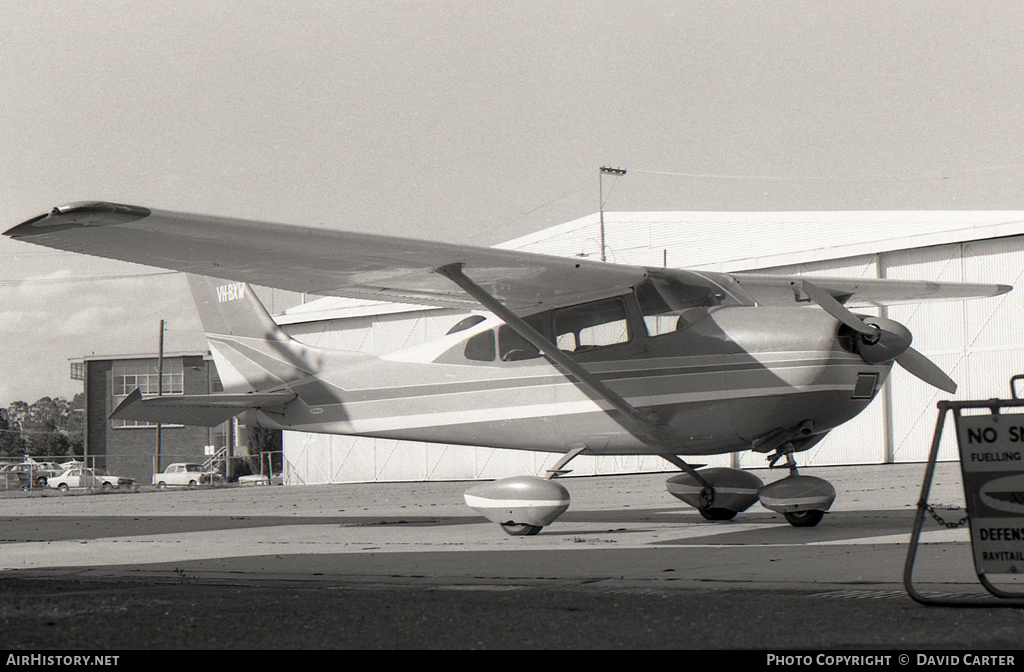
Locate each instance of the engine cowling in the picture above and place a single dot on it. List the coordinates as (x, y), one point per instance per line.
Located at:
(735, 489)
(524, 500)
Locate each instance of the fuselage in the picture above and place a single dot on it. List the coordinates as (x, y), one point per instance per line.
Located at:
(716, 379)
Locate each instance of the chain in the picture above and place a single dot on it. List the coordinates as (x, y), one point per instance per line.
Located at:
(942, 521)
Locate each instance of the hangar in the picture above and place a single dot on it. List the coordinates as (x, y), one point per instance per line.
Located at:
(978, 343)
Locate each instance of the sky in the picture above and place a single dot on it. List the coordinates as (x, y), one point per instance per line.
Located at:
(470, 121)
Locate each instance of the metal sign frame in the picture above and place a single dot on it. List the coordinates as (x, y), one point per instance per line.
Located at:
(956, 407)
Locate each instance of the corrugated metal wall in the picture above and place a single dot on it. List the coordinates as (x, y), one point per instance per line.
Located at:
(979, 343)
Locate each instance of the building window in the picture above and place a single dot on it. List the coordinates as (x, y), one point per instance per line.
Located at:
(144, 375)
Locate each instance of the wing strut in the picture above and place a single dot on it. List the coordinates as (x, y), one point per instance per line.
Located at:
(635, 422)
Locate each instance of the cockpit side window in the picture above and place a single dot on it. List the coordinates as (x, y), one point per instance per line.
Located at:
(593, 325)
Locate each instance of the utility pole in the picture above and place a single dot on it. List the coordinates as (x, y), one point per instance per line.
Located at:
(159, 393)
(604, 170)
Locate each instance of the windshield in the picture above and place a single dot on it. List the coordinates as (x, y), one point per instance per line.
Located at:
(664, 299)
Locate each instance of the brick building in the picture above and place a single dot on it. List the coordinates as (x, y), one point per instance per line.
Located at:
(127, 448)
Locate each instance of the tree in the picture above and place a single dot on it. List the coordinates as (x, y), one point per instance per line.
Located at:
(49, 427)
(10, 436)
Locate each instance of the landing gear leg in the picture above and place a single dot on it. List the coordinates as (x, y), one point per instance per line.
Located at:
(559, 469)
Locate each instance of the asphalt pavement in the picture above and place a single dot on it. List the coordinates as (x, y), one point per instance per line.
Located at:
(408, 565)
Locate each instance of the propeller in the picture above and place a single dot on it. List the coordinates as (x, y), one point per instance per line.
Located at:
(882, 340)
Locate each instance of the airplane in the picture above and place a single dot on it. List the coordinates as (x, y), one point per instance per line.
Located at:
(562, 355)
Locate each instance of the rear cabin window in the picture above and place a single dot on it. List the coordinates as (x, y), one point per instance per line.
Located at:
(505, 344)
(480, 348)
(514, 348)
(465, 323)
(589, 326)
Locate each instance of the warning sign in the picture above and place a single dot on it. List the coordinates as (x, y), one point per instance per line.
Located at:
(992, 463)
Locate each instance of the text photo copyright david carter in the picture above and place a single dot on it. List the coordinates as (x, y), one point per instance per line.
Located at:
(974, 660)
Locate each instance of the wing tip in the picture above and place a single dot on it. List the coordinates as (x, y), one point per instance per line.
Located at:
(76, 215)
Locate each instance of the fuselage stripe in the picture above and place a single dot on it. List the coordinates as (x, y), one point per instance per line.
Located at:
(393, 422)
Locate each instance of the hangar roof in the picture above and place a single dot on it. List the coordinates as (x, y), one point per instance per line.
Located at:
(205, 354)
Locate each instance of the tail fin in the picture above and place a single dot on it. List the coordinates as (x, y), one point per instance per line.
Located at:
(251, 351)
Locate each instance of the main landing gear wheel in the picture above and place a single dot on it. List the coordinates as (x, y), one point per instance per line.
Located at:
(804, 518)
(717, 514)
(522, 505)
(520, 530)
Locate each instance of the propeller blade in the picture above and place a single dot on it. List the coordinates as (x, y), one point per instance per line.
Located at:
(836, 309)
(917, 364)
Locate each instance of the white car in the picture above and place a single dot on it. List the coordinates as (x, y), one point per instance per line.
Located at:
(184, 473)
(84, 477)
(259, 479)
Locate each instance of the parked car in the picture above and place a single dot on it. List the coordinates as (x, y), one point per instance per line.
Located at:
(184, 473)
(84, 477)
(34, 473)
(114, 481)
(9, 480)
(254, 479)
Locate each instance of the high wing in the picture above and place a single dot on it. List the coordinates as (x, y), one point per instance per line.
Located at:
(320, 260)
(329, 262)
(779, 289)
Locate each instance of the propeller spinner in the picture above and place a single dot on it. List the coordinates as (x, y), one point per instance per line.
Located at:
(882, 340)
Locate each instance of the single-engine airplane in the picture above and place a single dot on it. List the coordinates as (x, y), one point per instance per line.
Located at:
(563, 355)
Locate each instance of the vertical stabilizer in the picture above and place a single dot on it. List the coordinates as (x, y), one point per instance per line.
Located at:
(251, 351)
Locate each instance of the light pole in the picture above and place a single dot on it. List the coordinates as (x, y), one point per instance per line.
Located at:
(604, 170)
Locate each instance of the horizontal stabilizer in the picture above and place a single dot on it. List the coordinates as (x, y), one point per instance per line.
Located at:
(200, 410)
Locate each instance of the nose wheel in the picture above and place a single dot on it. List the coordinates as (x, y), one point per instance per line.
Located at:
(802, 500)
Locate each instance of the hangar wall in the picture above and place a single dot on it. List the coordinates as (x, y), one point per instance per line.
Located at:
(977, 342)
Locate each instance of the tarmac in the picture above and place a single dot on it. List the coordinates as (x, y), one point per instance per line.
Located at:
(628, 566)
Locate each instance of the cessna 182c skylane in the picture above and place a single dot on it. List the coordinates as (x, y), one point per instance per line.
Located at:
(568, 355)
